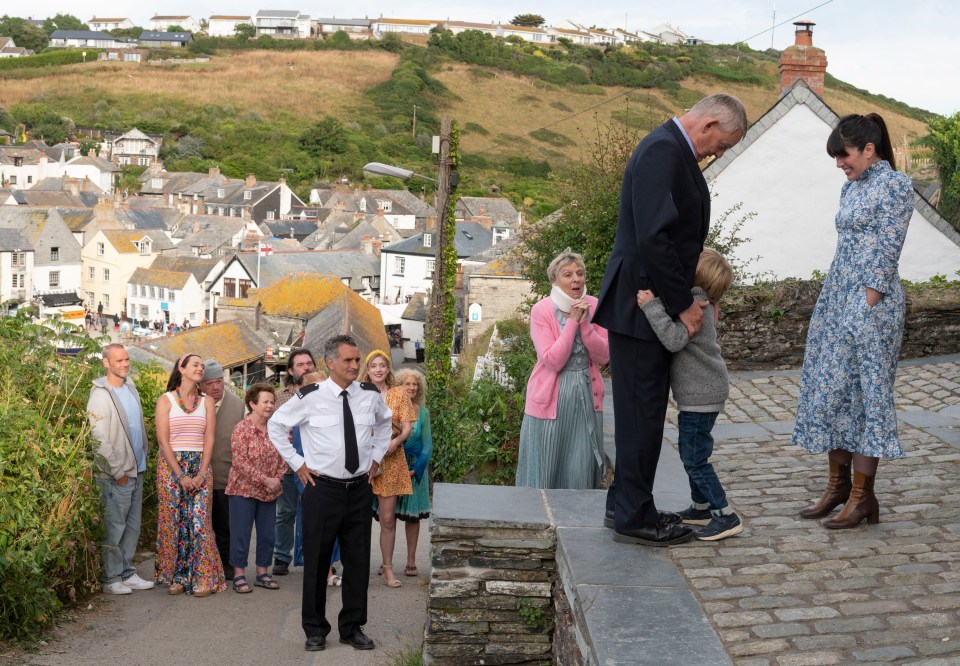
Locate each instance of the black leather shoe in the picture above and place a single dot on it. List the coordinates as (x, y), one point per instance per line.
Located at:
(281, 568)
(669, 518)
(661, 535)
(315, 644)
(663, 518)
(358, 640)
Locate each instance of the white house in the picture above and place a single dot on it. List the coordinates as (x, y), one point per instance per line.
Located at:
(382, 26)
(9, 49)
(162, 23)
(579, 37)
(134, 148)
(170, 296)
(110, 23)
(282, 24)
(224, 25)
(16, 266)
(353, 28)
(96, 169)
(669, 34)
(109, 259)
(535, 35)
(456, 27)
(781, 173)
(55, 253)
(89, 39)
(21, 168)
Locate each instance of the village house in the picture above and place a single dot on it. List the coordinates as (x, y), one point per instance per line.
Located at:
(353, 28)
(382, 26)
(498, 208)
(110, 23)
(578, 37)
(124, 55)
(109, 259)
(456, 27)
(164, 23)
(56, 254)
(133, 148)
(203, 269)
(793, 201)
(282, 24)
(88, 39)
(225, 25)
(99, 171)
(161, 295)
(164, 40)
(16, 266)
(493, 290)
(527, 34)
(213, 236)
(9, 49)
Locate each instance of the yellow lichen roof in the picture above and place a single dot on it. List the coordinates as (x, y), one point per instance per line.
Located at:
(231, 343)
(301, 295)
(122, 241)
(153, 277)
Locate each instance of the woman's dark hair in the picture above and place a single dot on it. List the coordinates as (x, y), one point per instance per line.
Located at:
(176, 376)
(857, 131)
(253, 393)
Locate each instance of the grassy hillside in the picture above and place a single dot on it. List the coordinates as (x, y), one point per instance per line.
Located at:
(525, 113)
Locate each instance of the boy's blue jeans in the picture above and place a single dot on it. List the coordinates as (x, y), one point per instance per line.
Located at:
(696, 447)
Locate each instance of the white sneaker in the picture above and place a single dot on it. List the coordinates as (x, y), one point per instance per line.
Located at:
(116, 588)
(137, 583)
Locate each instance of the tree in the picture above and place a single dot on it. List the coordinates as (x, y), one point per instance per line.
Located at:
(175, 28)
(244, 31)
(42, 122)
(528, 20)
(325, 137)
(24, 33)
(944, 138)
(63, 22)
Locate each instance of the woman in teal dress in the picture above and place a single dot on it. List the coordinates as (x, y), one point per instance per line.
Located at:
(418, 448)
(846, 406)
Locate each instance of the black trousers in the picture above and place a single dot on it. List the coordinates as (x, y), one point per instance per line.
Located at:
(331, 509)
(221, 525)
(641, 386)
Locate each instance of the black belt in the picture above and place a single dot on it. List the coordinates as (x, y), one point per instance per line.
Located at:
(341, 483)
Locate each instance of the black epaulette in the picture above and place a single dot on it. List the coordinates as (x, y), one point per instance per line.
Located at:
(307, 389)
(369, 386)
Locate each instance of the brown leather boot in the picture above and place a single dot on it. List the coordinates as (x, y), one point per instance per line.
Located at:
(837, 492)
(862, 504)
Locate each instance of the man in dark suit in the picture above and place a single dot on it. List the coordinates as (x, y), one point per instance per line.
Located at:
(663, 221)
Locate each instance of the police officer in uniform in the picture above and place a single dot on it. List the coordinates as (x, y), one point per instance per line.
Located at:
(345, 430)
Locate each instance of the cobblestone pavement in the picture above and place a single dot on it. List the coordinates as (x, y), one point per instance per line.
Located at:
(788, 592)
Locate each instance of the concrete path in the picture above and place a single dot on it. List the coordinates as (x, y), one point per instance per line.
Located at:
(152, 628)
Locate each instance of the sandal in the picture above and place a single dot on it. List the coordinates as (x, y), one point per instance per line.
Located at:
(392, 580)
(334, 580)
(176, 588)
(240, 585)
(201, 592)
(410, 570)
(265, 581)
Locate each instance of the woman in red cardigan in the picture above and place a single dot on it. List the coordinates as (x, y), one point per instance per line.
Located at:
(561, 439)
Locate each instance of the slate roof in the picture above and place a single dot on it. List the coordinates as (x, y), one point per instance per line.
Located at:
(157, 278)
(158, 36)
(359, 23)
(28, 155)
(96, 161)
(416, 309)
(500, 209)
(280, 13)
(76, 219)
(60, 199)
(6, 192)
(470, 239)
(58, 184)
(283, 228)
(29, 222)
(198, 267)
(13, 239)
(352, 264)
(86, 34)
(500, 259)
(60, 300)
(231, 342)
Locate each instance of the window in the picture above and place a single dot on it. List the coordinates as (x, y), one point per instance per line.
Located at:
(385, 205)
(144, 161)
(143, 291)
(19, 259)
(399, 265)
(54, 279)
(92, 273)
(171, 295)
(244, 287)
(220, 192)
(160, 293)
(106, 275)
(17, 161)
(269, 214)
(29, 179)
(144, 247)
(54, 254)
(144, 312)
(247, 195)
(427, 240)
(13, 179)
(229, 287)
(100, 249)
(18, 281)
(90, 299)
(156, 183)
(123, 161)
(153, 292)
(106, 300)
(431, 265)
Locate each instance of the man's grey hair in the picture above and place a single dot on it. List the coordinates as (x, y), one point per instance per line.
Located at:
(725, 108)
(331, 349)
(108, 350)
(568, 256)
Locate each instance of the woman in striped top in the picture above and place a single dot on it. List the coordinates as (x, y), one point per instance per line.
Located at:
(187, 558)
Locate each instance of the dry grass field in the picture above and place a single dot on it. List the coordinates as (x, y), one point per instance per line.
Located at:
(308, 83)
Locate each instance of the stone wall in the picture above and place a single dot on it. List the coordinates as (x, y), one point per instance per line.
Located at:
(499, 296)
(766, 326)
(490, 587)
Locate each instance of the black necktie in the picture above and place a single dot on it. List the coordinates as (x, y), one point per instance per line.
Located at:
(349, 436)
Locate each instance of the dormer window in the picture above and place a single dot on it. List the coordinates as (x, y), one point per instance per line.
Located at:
(427, 239)
(247, 195)
(156, 183)
(220, 193)
(17, 161)
(385, 205)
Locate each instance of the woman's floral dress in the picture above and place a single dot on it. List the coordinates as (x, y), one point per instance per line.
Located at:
(850, 363)
(394, 477)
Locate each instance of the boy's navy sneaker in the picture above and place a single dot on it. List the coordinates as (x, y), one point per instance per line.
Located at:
(721, 527)
(694, 516)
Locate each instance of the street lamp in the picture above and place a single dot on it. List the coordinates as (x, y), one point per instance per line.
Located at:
(381, 169)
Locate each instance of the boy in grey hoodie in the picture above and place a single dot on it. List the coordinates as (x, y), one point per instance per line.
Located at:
(698, 378)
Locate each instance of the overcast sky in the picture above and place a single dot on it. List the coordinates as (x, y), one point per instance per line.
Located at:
(905, 49)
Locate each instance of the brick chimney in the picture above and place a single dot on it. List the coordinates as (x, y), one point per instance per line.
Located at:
(251, 181)
(803, 61)
(213, 171)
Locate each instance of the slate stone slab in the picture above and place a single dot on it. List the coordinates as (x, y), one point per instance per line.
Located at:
(723, 431)
(926, 419)
(577, 508)
(779, 427)
(591, 557)
(648, 627)
(489, 505)
(949, 436)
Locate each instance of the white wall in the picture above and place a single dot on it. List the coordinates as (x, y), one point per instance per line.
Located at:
(187, 303)
(793, 186)
(413, 280)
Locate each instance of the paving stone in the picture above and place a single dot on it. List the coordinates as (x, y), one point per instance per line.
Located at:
(769, 602)
(781, 630)
(939, 602)
(884, 654)
(812, 613)
(847, 625)
(777, 645)
(825, 641)
(874, 607)
(921, 620)
(810, 659)
(742, 618)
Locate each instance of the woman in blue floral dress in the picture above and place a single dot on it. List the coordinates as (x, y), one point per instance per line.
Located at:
(846, 406)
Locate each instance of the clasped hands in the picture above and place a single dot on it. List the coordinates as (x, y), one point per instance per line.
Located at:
(580, 310)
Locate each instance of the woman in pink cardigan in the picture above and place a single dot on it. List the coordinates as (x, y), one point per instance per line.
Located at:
(561, 439)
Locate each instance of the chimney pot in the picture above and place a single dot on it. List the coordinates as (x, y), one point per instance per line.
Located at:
(803, 60)
(213, 171)
(251, 180)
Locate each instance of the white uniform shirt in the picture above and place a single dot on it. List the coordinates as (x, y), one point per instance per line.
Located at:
(318, 410)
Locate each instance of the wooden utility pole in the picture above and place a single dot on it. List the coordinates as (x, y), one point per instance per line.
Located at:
(414, 121)
(442, 313)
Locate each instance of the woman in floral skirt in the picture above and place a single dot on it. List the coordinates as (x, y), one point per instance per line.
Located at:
(187, 558)
(393, 478)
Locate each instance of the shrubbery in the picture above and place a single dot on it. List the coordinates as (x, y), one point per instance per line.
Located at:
(50, 59)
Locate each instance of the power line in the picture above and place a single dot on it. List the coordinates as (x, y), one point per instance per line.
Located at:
(498, 144)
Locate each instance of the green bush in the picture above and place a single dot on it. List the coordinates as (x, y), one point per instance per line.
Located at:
(50, 59)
